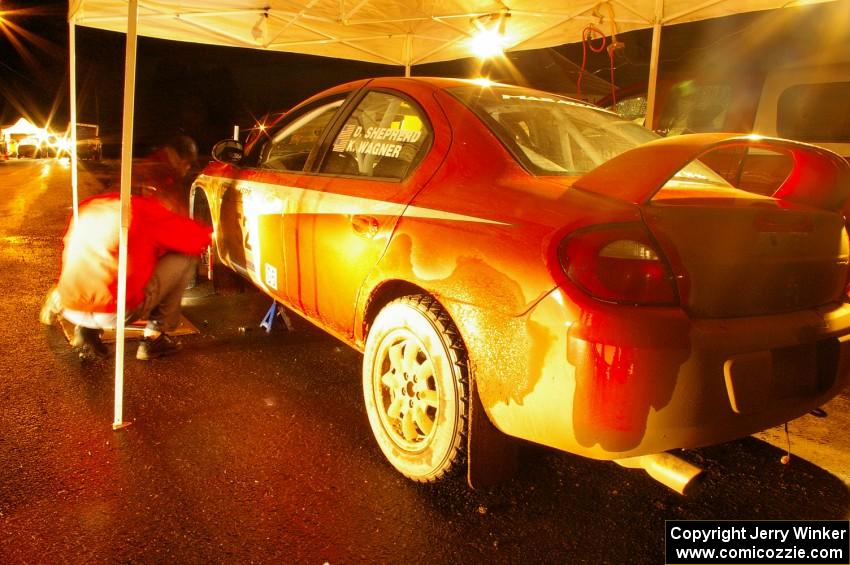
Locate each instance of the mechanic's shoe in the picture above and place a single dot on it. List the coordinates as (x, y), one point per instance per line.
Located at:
(88, 344)
(151, 348)
(51, 308)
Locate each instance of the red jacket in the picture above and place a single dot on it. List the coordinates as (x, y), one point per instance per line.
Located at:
(89, 278)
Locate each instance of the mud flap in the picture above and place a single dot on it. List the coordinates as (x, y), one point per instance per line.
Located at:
(492, 457)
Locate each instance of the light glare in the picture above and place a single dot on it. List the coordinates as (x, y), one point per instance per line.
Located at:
(483, 81)
(487, 43)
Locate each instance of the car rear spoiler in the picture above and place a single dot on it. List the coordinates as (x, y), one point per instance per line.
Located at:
(820, 178)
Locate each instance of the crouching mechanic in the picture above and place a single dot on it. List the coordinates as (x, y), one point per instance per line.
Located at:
(162, 253)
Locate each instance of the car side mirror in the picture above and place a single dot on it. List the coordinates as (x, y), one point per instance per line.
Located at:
(228, 151)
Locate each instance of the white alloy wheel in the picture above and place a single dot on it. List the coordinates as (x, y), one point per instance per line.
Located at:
(416, 389)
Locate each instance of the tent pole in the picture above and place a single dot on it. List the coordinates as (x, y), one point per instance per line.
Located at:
(408, 54)
(126, 180)
(72, 102)
(652, 87)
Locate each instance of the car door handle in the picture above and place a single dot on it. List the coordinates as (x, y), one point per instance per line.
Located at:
(366, 225)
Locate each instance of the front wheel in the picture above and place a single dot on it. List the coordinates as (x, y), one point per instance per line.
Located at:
(416, 388)
(210, 268)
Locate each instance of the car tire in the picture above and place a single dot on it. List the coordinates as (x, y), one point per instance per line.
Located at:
(225, 280)
(416, 388)
(210, 268)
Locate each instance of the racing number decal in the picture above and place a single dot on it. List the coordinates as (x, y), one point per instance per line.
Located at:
(246, 240)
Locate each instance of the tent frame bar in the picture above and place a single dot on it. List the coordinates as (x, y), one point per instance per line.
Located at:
(126, 181)
(652, 81)
(72, 101)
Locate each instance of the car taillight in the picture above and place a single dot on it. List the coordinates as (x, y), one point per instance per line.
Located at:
(618, 263)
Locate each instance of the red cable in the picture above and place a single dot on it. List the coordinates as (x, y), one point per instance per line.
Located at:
(586, 41)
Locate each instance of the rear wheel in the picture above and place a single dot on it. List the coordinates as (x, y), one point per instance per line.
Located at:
(416, 388)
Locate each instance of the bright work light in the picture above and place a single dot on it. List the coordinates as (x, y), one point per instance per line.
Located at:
(489, 40)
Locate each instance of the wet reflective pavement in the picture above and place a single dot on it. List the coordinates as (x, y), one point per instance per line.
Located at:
(254, 447)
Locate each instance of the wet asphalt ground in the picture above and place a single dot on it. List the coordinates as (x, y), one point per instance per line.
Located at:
(254, 447)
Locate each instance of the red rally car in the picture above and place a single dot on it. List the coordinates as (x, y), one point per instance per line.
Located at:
(515, 263)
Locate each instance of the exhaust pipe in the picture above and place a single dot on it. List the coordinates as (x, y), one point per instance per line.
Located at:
(669, 470)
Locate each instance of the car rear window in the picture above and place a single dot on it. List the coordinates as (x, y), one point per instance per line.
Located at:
(815, 112)
(548, 134)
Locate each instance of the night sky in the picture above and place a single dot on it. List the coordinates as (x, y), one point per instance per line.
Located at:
(180, 87)
(204, 90)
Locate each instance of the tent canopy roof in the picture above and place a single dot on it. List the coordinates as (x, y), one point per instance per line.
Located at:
(22, 126)
(391, 31)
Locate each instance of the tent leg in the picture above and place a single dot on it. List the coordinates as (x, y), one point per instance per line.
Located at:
(72, 79)
(649, 122)
(126, 171)
(408, 54)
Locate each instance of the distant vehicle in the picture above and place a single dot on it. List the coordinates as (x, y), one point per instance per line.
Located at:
(804, 102)
(89, 145)
(509, 259)
(32, 148)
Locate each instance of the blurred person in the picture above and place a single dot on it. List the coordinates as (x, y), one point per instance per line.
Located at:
(163, 172)
(162, 253)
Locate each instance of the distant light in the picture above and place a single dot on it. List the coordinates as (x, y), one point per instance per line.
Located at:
(262, 127)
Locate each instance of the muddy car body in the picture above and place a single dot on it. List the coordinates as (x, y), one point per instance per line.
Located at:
(512, 260)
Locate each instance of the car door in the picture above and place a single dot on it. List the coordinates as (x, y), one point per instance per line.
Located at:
(376, 161)
(261, 209)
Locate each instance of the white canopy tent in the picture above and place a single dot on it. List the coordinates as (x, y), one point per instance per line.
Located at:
(403, 33)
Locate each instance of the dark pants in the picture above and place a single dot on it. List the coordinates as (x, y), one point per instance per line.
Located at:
(164, 291)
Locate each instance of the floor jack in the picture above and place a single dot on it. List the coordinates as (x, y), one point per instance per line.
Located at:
(268, 319)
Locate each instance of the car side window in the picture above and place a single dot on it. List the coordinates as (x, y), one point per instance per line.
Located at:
(289, 147)
(695, 108)
(383, 138)
(815, 112)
